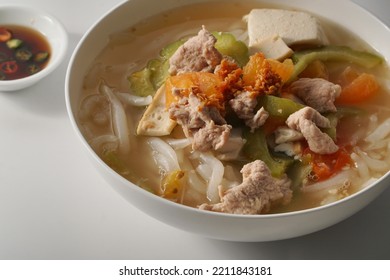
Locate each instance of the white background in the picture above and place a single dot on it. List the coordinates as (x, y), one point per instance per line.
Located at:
(54, 205)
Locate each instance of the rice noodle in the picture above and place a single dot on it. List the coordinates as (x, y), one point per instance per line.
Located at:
(119, 119)
(164, 155)
(211, 170)
(373, 164)
(178, 144)
(95, 108)
(380, 132)
(196, 183)
(232, 148)
(231, 178)
(104, 141)
(361, 166)
(369, 182)
(134, 100)
(378, 145)
(342, 178)
(232, 173)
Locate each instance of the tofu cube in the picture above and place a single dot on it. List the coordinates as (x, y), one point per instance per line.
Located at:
(273, 47)
(292, 27)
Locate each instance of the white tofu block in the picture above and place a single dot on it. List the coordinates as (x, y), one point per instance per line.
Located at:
(292, 27)
(156, 121)
(272, 47)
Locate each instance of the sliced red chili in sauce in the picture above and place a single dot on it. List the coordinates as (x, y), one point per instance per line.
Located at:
(9, 67)
(5, 34)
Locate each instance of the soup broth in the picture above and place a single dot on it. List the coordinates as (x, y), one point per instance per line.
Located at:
(130, 51)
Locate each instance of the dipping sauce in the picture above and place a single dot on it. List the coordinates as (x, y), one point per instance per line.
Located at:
(23, 52)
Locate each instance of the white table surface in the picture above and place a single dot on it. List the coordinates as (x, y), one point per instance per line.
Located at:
(54, 205)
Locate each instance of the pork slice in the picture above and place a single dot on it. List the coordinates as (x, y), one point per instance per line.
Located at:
(258, 193)
(244, 105)
(285, 134)
(203, 124)
(258, 119)
(317, 93)
(197, 54)
(211, 137)
(307, 121)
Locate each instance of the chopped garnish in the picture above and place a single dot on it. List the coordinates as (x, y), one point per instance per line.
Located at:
(23, 55)
(14, 43)
(9, 67)
(41, 56)
(33, 68)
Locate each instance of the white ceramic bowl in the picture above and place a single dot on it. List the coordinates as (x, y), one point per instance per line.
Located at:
(210, 224)
(48, 26)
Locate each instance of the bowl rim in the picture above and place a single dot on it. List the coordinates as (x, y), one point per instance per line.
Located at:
(169, 203)
(54, 62)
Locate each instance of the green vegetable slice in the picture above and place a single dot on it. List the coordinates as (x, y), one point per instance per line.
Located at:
(170, 49)
(141, 84)
(333, 53)
(228, 45)
(146, 81)
(256, 148)
(279, 107)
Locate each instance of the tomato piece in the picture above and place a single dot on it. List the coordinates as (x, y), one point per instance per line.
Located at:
(324, 166)
(9, 67)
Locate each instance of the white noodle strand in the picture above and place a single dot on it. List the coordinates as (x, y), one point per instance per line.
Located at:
(214, 168)
(373, 164)
(361, 166)
(340, 179)
(119, 118)
(380, 132)
(178, 144)
(164, 155)
(134, 100)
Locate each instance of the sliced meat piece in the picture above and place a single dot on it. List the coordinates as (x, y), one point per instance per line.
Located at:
(258, 193)
(244, 105)
(285, 134)
(292, 149)
(198, 54)
(317, 93)
(203, 124)
(258, 119)
(232, 148)
(211, 137)
(307, 121)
